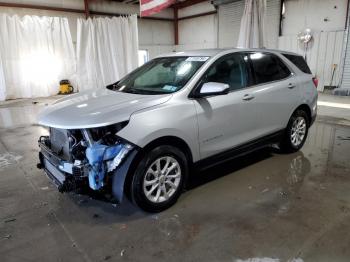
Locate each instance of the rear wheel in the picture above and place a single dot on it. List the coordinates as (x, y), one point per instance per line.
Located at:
(159, 178)
(296, 132)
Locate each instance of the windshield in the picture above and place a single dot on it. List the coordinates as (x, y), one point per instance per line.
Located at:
(160, 76)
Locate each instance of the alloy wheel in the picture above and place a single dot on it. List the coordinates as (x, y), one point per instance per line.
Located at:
(298, 131)
(162, 179)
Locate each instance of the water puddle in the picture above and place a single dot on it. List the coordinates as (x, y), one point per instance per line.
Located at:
(267, 259)
(8, 159)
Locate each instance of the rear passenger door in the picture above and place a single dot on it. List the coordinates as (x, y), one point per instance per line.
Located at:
(275, 91)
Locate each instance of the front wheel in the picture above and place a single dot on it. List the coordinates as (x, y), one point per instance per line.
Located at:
(296, 132)
(159, 178)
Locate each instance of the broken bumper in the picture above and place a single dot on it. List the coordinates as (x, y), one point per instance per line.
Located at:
(53, 165)
(72, 176)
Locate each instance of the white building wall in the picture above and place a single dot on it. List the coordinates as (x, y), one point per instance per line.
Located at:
(74, 4)
(229, 19)
(324, 54)
(102, 6)
(155, 36)
(200, 8)
(199, 32)
(110, 7)
(301, 14)
(345, 69)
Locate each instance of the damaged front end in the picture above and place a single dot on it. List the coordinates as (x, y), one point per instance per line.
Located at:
(94, 157)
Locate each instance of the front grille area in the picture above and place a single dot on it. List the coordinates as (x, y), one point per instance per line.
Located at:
(60, 144)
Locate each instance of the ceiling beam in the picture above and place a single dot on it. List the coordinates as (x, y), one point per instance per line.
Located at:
(198, 15)
(90, 13)
(86, 9)
(70, 10)
(42, 7)
(144, 17)
(176, 25)
(188, 3)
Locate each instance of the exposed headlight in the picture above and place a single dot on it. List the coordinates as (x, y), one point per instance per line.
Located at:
(107, 134)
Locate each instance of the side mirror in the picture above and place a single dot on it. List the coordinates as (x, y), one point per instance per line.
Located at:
(213, 89)
(113, 86)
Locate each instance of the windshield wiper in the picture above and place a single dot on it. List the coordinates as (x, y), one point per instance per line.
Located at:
(142, 92)
(131, 91)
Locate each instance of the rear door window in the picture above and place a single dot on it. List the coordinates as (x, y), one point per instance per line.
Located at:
(299, 62)
(267, 67)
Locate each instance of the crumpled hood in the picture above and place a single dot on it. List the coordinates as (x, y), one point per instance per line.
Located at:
(95, 108)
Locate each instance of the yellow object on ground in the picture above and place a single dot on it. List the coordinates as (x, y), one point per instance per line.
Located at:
(65, 87)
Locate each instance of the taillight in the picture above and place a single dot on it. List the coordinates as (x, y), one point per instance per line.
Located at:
(315, 80)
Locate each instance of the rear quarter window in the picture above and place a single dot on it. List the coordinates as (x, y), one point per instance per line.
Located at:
(299, 62)
(268, 67)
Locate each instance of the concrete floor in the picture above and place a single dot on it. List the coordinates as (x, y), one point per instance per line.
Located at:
(263, 207)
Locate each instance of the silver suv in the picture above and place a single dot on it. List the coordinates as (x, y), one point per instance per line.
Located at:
(142, 135)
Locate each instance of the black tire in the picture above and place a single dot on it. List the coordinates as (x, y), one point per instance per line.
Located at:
(137, 186)
(286, 144)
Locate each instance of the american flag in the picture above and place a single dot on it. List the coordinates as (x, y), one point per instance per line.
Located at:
(150, 7)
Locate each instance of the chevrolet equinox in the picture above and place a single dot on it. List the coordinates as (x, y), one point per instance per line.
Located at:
(142, 135)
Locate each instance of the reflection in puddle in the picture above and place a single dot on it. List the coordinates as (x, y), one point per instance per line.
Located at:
(8, 159)
(17, 116)
(14, 113)
(298, 168)
(267, 259)
(170, 227)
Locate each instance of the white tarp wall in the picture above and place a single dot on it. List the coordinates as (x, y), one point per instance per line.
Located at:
(106, 50)
(229, 22)
(2, 82)
(251, 34)
(37, 52)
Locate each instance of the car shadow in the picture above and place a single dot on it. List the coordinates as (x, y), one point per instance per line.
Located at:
(298, 166)
(201, 177)
(89, 198)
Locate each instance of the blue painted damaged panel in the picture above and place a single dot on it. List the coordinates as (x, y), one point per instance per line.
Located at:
(103, 159)
(120, 176)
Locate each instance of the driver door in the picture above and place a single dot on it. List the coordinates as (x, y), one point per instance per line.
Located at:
(226, 121)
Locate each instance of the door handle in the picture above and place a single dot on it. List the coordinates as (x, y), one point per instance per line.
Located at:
(291, 85)
(248, 97)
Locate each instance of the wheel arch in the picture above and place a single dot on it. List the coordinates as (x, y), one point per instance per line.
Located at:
(171, 141)
(306, 108)
(164, 140)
